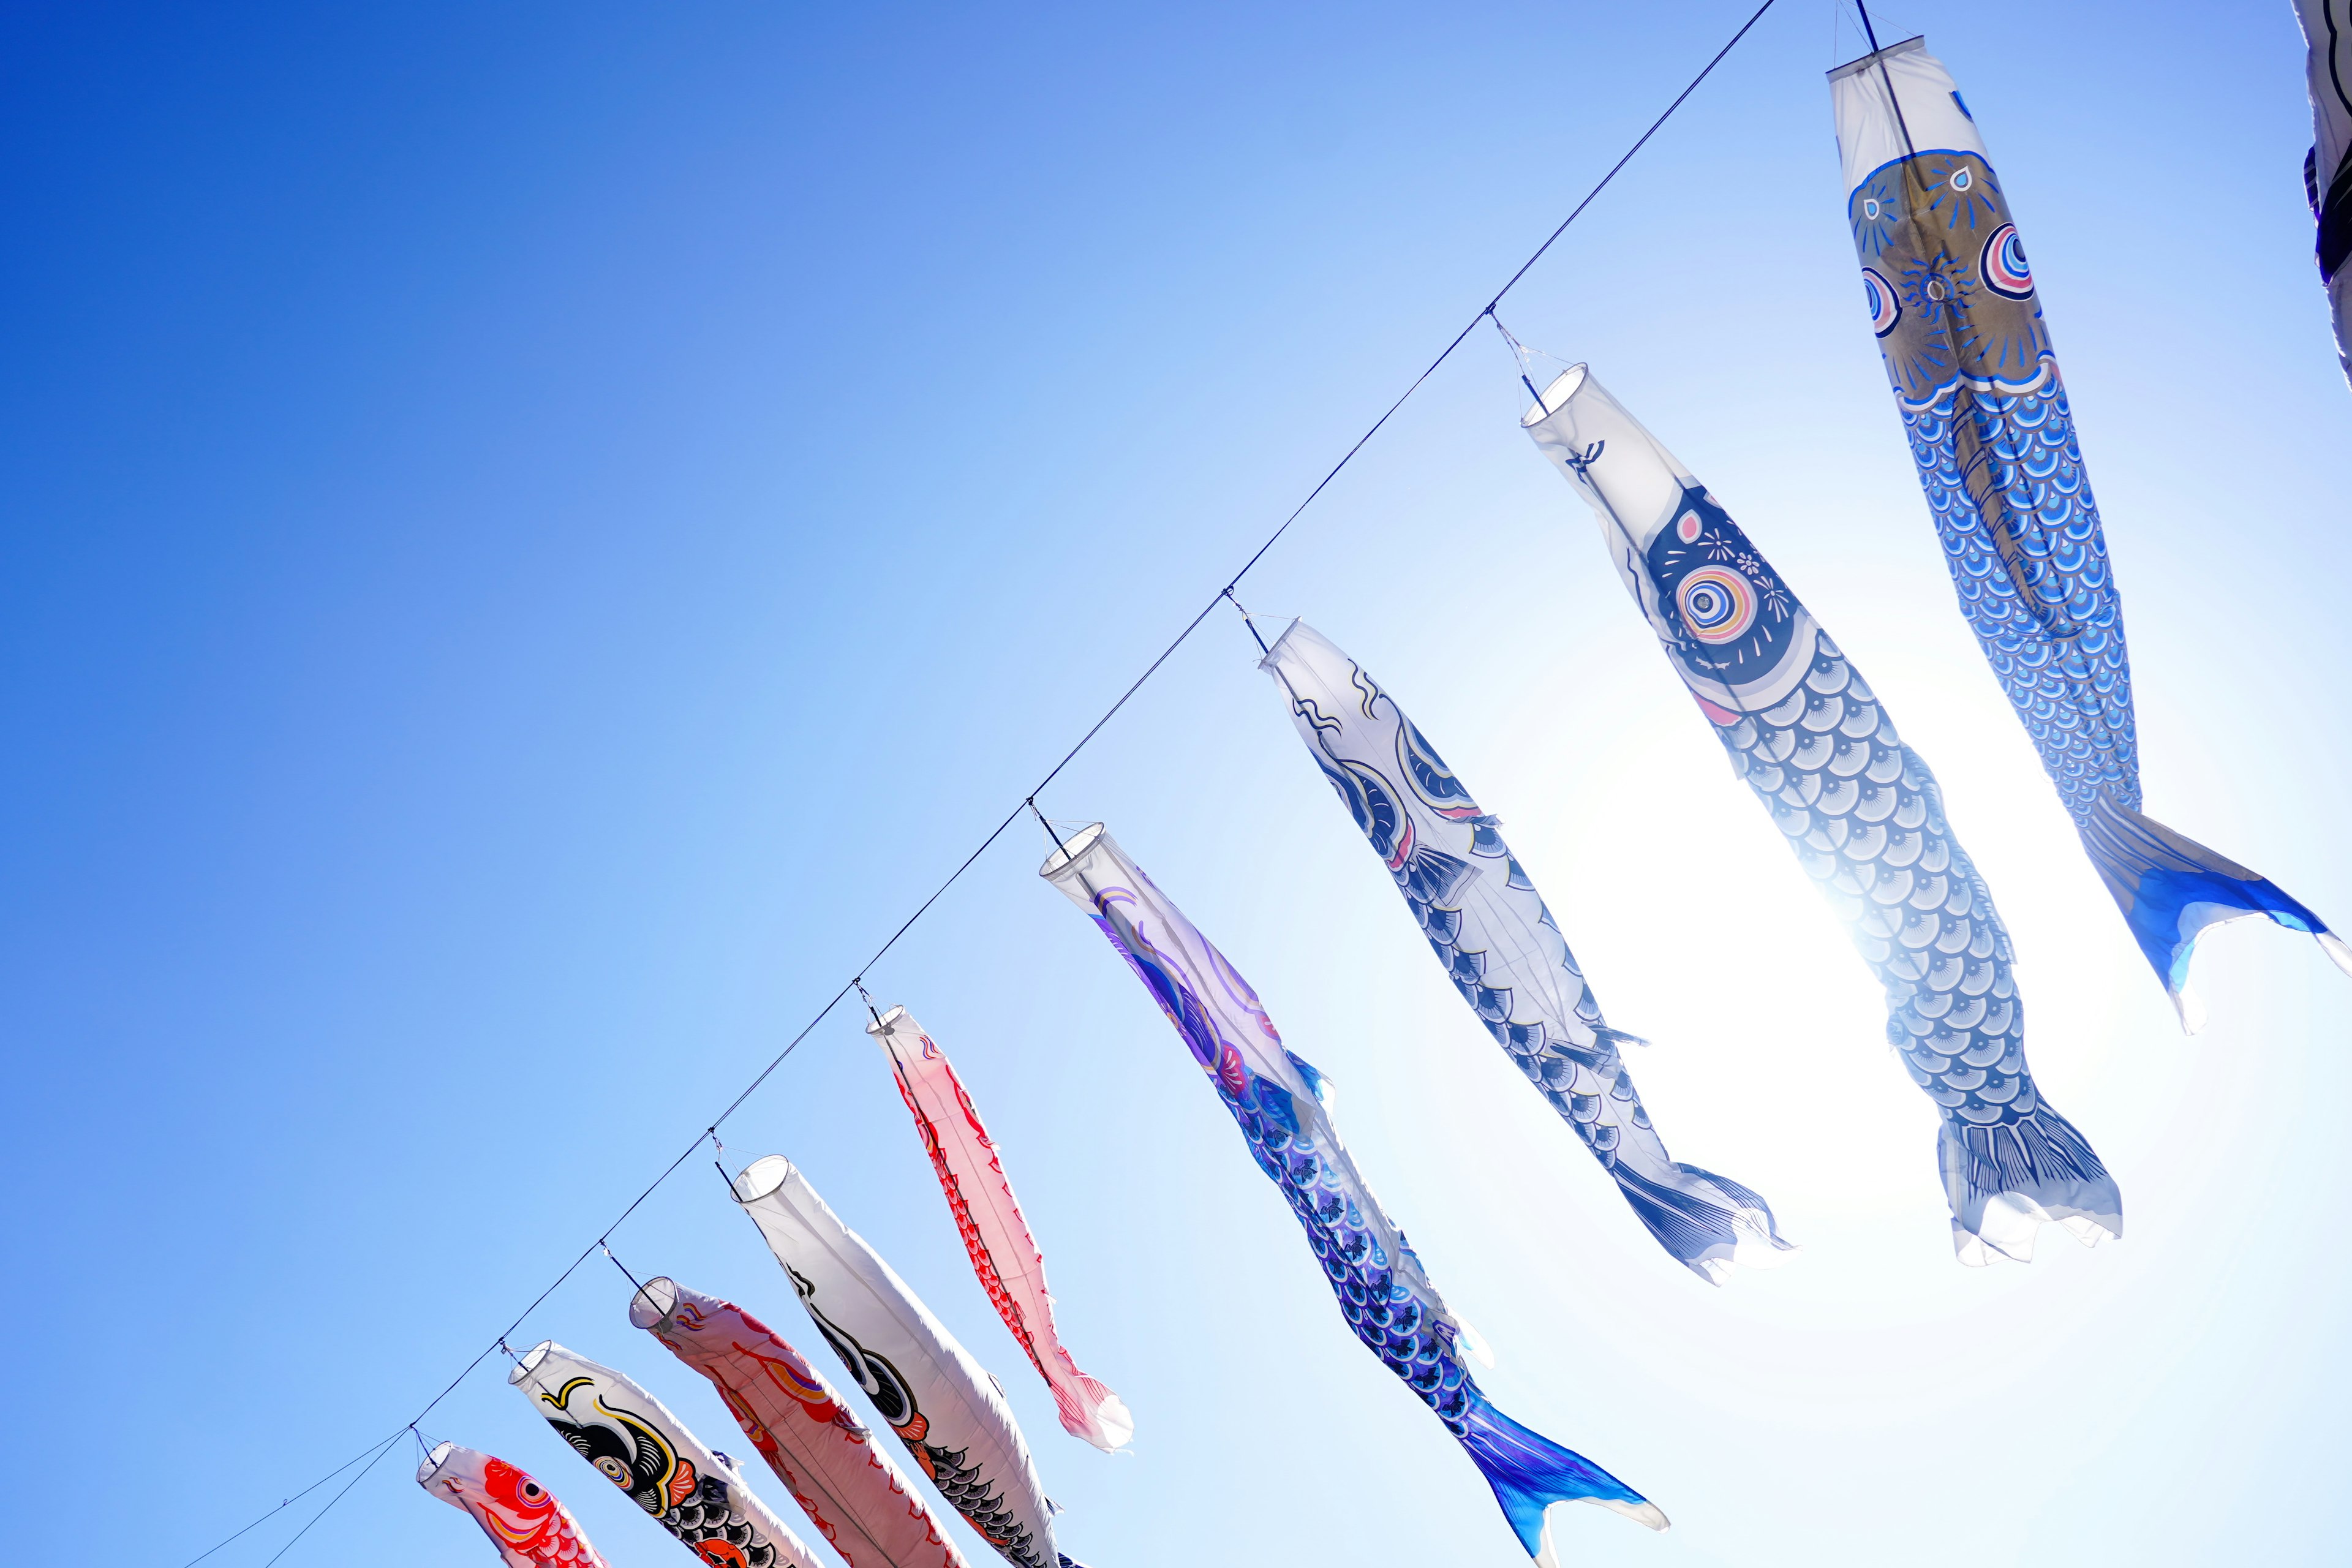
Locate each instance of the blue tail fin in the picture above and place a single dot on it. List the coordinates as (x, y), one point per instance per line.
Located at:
(1529, 1473)
(2008, 1180)
(2171, 888)
(1705, 1221)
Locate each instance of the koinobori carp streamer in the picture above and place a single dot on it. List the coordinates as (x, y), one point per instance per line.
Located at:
(1275, 1098)
(1503, 951)
(523, 1520)
(1958, 317)
(1861, 811)
(995, 1235)
(942, 1404)
(634, 1442)
(853, 1494)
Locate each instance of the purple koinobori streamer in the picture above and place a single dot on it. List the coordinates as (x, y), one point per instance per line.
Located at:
(1861, 810)
(1277, 1099)
(1503, 951)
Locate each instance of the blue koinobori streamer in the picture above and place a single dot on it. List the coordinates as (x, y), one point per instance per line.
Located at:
(1277, 1099)
(1503, 951)
(1860, 808)
(1959, 324)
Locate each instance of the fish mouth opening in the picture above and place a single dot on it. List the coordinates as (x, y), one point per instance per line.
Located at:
(1564, 386)
(762, 1177)
(1070, 848)
(891, 1019)
(530, 1361)
(433, 1463)
(656, 1299)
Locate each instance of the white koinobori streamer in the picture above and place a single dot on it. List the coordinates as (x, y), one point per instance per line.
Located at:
(1503, 951)
(995, 1235)
(635, 1443)
(1861, 811)
(946, 1408)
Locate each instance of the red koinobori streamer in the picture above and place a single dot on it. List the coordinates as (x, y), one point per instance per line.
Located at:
(1003, 1252)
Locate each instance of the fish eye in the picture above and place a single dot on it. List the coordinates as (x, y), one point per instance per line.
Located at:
(1962, 179)
(1870, 207)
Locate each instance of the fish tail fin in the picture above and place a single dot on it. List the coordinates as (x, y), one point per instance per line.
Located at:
(1708, 1223)
(2007, 1180)
(1090, 1410)
(2169, 887)
(1530, 1473)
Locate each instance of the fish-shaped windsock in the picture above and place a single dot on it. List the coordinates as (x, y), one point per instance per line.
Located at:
(1959, 325)
(522, 1519)
(1277, 1101)
(1502, 948)
(852, 1493)
(995, 1236)
(638, 1446)
(1860, 808)
(944, 1406)
(2328, 167)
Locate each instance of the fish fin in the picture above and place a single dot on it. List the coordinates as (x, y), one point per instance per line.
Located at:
(2171, 888)
(1708, 1224)
(2005, 1181)
(1530, 1475)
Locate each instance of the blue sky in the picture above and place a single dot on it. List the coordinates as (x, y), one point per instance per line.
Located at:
(535, 534)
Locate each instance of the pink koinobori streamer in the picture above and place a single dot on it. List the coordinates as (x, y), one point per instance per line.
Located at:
(859, 1502)
(989, 1218)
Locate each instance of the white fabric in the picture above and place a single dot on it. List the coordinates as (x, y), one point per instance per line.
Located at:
(995, 1235)
(525, 1523)
(635, 1443)
(927, 1388)
(1576, 423)
(1869, 138)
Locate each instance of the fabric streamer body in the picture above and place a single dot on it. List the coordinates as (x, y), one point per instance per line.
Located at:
(2328, 169)
(1861, 811)
(1277, 1098)
(995, 1236)
(637, 1445)
(1500, 946)
(529, 1528)
(1959, 325)
(943, 1405)
(852, 1493)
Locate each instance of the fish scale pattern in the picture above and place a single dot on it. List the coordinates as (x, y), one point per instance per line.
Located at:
(2054, 640)
(709, 1523)
(1385, 1314)
(1866, 818)
(1279, 1102)
(1497, 942)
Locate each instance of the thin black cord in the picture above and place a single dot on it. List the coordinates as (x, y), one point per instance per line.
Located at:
(389, 1445)
(1029, 802)
(298, 1497)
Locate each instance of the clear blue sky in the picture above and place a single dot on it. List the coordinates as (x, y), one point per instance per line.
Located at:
(535, 533)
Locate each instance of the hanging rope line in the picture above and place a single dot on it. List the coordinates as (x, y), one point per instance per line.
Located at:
(1027, 803)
